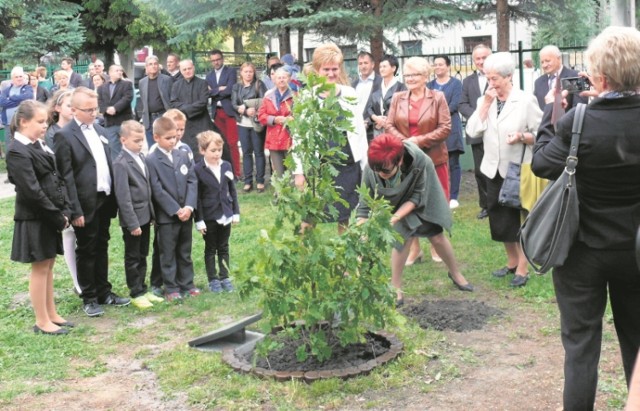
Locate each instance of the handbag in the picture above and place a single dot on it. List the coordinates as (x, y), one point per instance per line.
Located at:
(509, 195)
(255, 103)
(548, 232)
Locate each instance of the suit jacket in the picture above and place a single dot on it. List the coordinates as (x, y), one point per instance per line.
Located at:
(173, 185)
(470, 94)
(434, 123)
(120, 100)
(541, 88)
(164, 88)
(75, 79)
(216, 198)
(373, 105)
(78, 168)
(40, 190)
(42, 94)
(228, 77)
(191, 97)
(133, 192)
(607, 172)
(519, 114)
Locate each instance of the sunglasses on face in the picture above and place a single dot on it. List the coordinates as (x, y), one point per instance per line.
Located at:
(384, 170)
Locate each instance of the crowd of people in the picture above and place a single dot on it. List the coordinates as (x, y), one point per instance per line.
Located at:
(79, 161)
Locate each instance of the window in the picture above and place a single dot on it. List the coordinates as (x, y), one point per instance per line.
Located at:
(470, 42)
(411, 48)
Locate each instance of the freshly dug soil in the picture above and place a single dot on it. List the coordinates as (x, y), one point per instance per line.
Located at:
(456, 315)
(284, 359)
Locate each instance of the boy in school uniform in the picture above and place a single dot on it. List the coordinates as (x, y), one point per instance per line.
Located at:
(174, 189)
(133, 195)
(217, 208)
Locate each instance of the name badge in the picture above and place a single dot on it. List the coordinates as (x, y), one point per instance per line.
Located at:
(229, 175)
(104, 140)
(184, 170)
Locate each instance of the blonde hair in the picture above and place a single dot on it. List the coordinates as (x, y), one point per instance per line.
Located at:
(82, 91)
(60, 73)
(175, 115)
(329, 54)
(615, 54)
(55, 101)
(129, 127)
(419, 64)
(162, 126)
(205, 139)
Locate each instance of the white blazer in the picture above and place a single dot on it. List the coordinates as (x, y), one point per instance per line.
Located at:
(520, 113)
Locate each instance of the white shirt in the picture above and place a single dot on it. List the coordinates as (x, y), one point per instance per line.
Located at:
(26, 141)
(136, 156)
(96, 144)
(165, 152)
(363, 90)
(482, 82)
(384, 89)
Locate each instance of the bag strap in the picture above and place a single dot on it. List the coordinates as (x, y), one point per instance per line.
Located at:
(524, 150)
(576, 131)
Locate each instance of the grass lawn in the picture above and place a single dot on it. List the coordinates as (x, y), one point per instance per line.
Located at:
(32, 367)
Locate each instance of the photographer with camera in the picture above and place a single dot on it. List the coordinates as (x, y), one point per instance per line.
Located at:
(551, 64)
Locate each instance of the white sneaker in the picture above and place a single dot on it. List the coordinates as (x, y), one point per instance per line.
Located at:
(454, 204)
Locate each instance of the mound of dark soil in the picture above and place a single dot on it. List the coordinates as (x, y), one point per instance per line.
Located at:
(353, 355)
(456, 315)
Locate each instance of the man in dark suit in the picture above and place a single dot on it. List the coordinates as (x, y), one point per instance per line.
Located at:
(84, 160)
(114, 100)
(473, 87)
(75, 79)
(551, 63)
(221, 80)
(155, 95)
(368, 82)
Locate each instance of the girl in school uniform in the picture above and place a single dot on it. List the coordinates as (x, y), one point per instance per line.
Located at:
(42, 211)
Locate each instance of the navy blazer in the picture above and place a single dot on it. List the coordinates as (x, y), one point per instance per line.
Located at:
(541, 89)
(133, 192)
(216, 198)
(164, 88)
(228, 77)
(40, 190)
(121, 101)
(75, 79)
(78, 168)
(173, 185)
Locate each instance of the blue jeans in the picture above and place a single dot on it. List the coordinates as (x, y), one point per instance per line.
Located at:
(455, 174)
(113, 135)
(252, 144)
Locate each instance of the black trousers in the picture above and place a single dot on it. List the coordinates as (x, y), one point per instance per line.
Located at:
(92, 258)
(174, 243)
(216, 243)
(481, 180)
(581, 290)
(136, 250)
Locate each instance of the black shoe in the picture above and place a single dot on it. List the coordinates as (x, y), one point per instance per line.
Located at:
(482, 214)
(61, 331)
(504, 271)
(67, 324)
(399, 302)
(465, 287)
(93, 309)
(519, 280)
(114, 299)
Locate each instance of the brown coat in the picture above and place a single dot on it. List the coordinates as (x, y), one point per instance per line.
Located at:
(434, 123)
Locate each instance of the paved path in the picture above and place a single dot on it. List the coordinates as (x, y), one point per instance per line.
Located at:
(6, 190)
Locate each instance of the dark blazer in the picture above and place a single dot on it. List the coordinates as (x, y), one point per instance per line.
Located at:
(42, 94)
(240, 93)
(216, 198)
(78, 168)
(191, 97)
(133, 192)
(121, 101)
(434, 123)
(75, 79)
(40, 190)
(228, 78)
(470, 94)
(173, 185)
(541, 88)
(164, 88)
(607, 173)
(175, 77)
(373, 105)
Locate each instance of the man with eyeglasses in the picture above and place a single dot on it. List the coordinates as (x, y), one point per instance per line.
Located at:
(84, 160)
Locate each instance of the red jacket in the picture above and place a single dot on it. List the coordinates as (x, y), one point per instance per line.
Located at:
(278, 137)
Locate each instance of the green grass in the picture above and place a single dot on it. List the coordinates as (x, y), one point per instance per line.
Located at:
(158, 336)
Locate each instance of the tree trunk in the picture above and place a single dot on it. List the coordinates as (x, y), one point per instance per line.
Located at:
(502, 11)
(285, 41)
(238, 46)
(377, 40)
(301, 55)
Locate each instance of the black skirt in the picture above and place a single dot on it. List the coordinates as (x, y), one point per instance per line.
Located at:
(34, 241)
(504, 222)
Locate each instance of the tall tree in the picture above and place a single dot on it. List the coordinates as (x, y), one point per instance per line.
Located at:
(572, 24)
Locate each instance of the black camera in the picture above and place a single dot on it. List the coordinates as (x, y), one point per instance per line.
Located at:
(576, 84)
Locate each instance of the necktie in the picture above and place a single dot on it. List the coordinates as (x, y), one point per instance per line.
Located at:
(551, 78)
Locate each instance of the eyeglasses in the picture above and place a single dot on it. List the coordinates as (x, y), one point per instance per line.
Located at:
(87, 110)
(410, 76)
(384, 170)
(216, 60)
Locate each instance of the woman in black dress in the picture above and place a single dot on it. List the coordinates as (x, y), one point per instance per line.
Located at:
(42, 211)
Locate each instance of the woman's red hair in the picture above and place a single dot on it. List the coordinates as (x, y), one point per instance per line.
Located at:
(385, 151)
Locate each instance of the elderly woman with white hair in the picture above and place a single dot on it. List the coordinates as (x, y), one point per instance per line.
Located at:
(422, 116)
(507, 119)
(601, 263)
